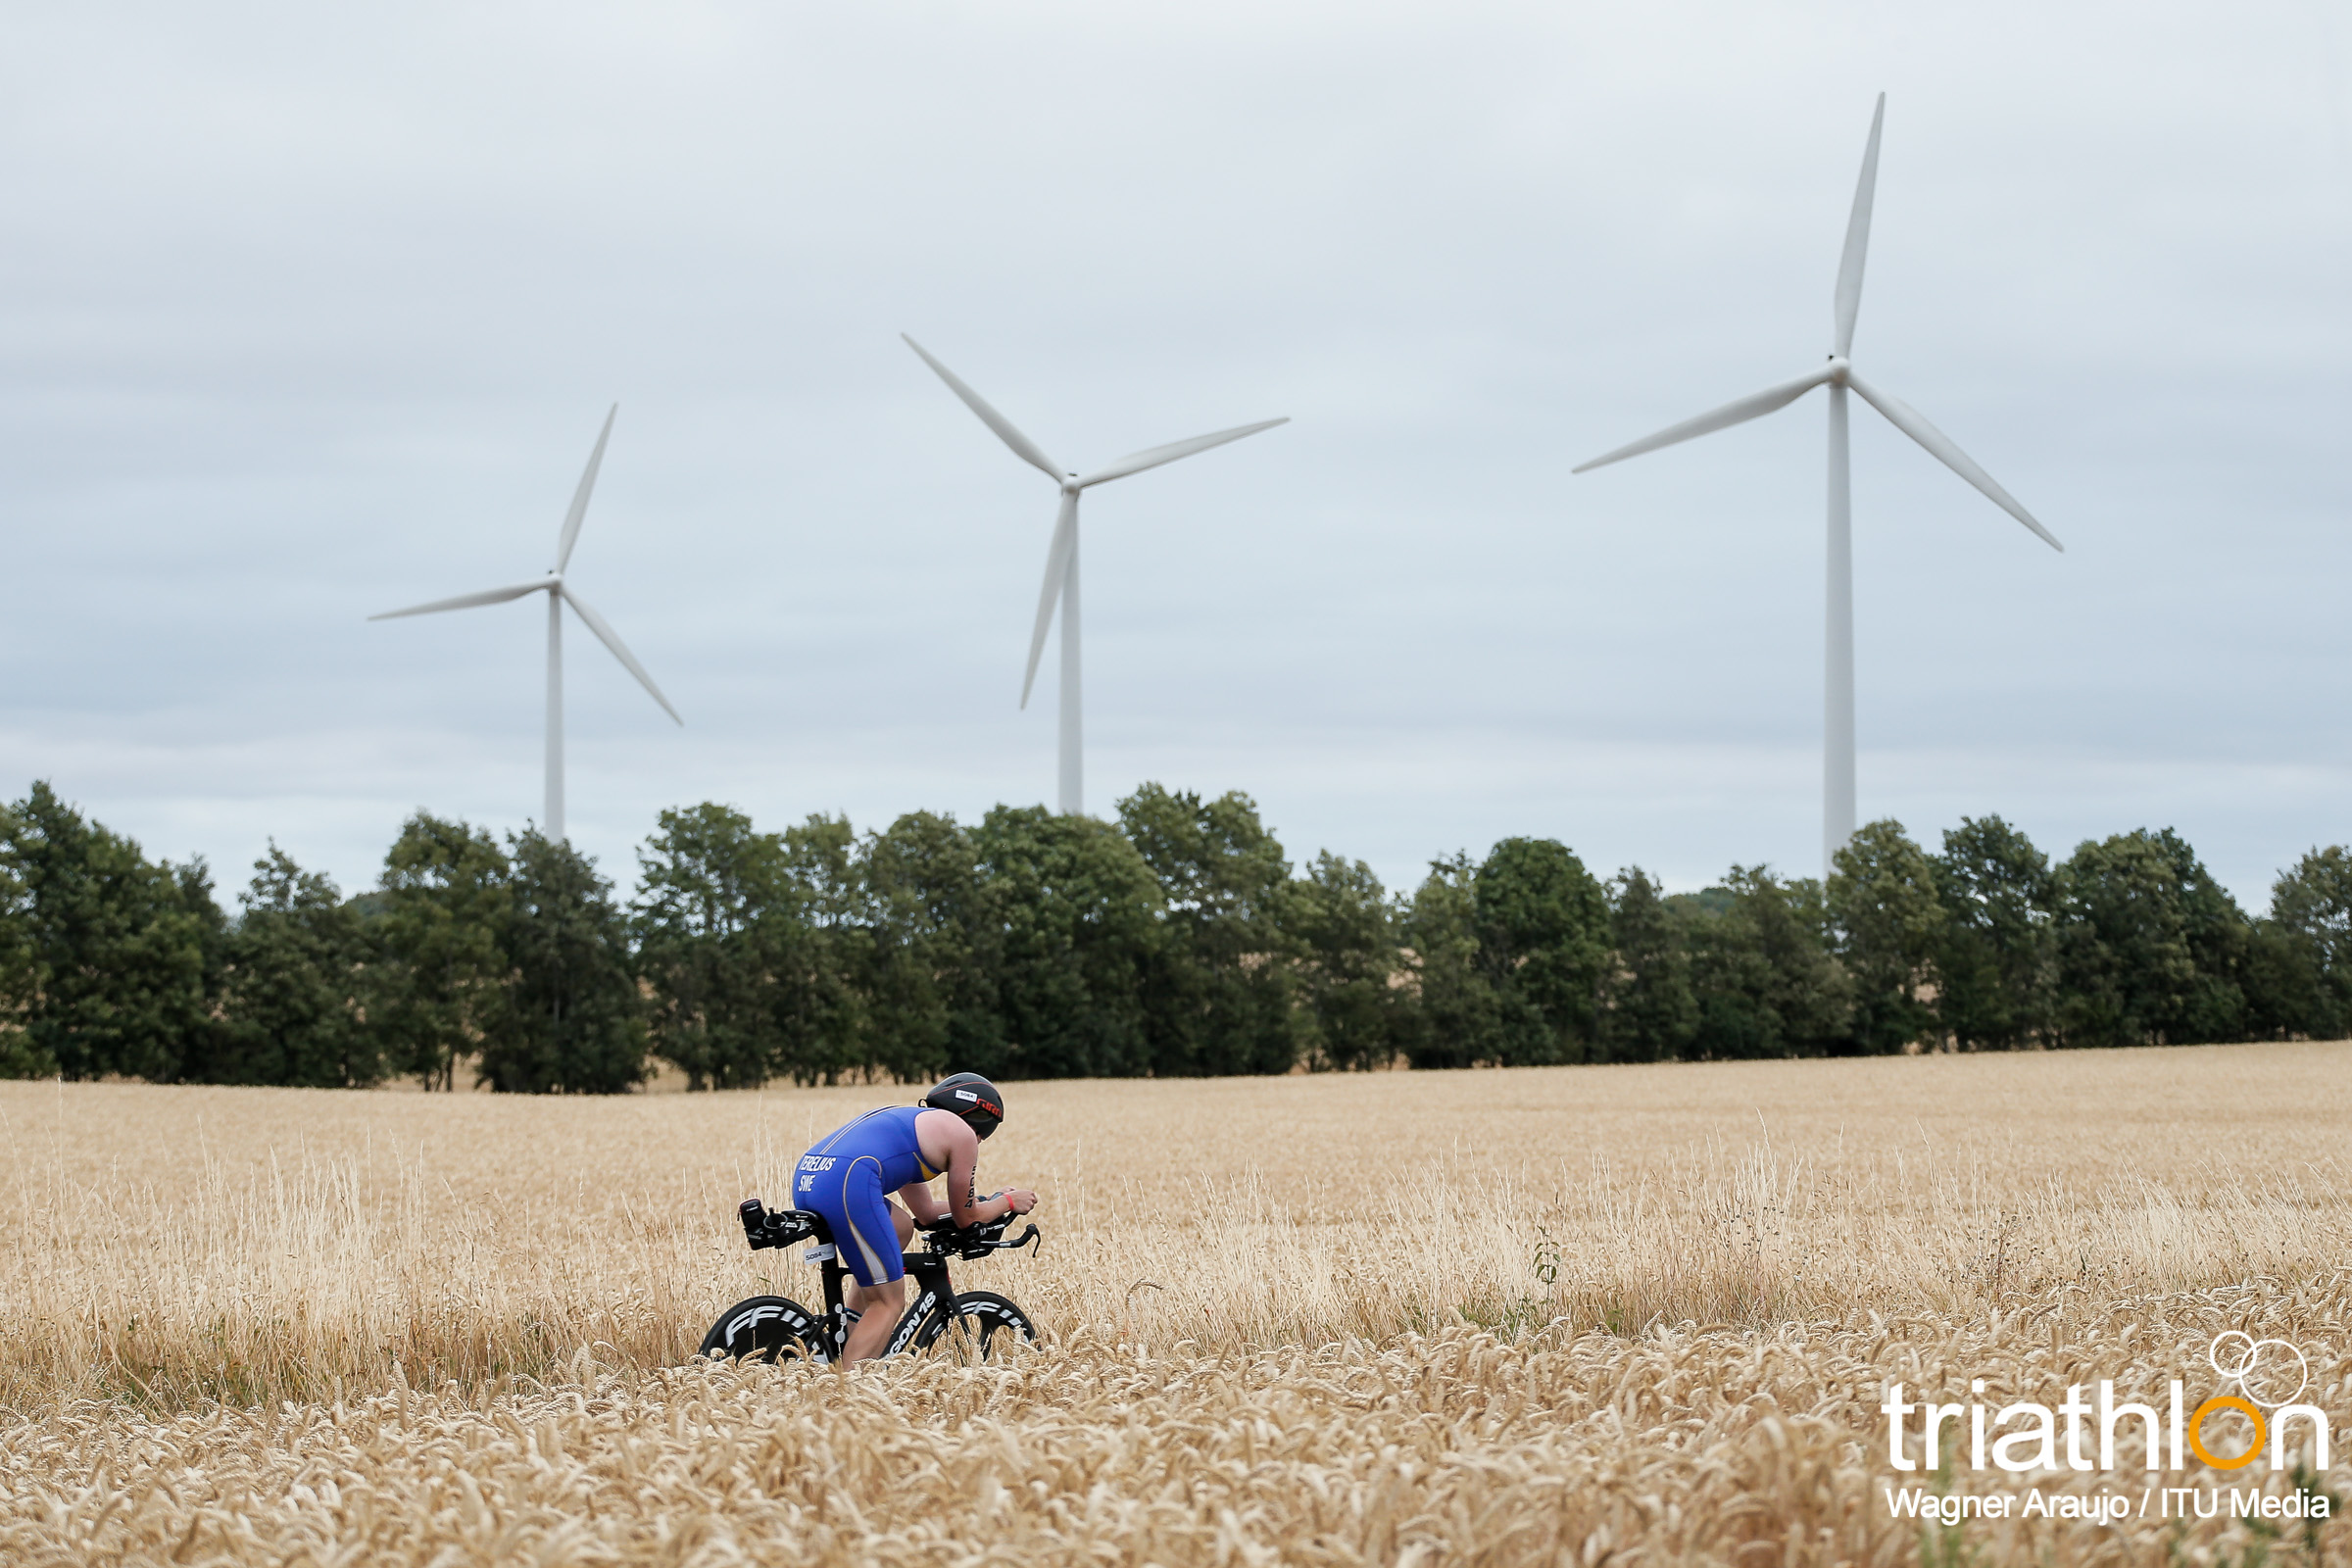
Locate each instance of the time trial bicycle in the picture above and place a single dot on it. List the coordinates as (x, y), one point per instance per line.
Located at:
(973, 1324)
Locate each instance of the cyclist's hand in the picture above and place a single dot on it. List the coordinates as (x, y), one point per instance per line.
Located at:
(1021, 1200)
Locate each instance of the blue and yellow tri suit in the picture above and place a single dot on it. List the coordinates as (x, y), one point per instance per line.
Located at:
(849, 1178)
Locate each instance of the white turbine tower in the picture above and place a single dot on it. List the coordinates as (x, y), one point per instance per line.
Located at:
(1838, 740)
(558, 594)
(1062, 559)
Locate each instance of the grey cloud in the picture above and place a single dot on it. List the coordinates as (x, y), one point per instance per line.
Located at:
(305, 315)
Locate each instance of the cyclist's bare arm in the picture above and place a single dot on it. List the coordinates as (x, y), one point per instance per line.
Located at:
(921, 1204)
(949, 1144)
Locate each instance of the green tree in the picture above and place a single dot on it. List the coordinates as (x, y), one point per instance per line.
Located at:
(2151, 949)
(1217, 993)
(1543, 941)
(443, 907)
(19, 985)
(819, 945)
(707, 882)
(1650, 1011)
(2286, 992)
(1997, 966)
(1343, 930)
(202, 1043)
(1882, 899)
(1080, 912)
(2310, 908)
(573, 1022)
(112, 954)
(1456, 1020)
(938, 939)
(2221, 942)
(1767, 981)
(294, 967)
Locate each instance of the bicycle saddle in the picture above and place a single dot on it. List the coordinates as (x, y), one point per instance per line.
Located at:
(783, 1228)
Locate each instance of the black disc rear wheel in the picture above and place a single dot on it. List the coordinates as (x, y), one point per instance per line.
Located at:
(981, 1325)
(767, 1328)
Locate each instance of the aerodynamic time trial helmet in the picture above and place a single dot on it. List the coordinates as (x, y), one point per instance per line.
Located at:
(971, 1097)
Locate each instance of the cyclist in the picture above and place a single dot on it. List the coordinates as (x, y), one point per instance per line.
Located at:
(901, 1149)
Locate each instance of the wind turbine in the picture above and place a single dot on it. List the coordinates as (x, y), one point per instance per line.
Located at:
(1838, 375)
(558, 594)
(1061, 558)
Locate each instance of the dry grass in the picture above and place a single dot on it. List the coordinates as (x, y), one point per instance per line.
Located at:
(1306, 1319)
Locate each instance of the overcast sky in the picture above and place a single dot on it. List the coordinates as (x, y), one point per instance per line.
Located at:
(308, 313)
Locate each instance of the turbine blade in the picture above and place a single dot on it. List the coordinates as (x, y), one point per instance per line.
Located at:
(489, 596)
(1909, 420)
(1058, 562)
(1022, 446)
(1153, 458)
(1857, 236)
(579, 497)
(1748, 408)
(611, 639)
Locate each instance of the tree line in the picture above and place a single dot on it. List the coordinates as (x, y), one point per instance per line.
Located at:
(1177, 940)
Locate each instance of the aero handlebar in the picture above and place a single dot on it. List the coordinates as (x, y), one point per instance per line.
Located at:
(946, 1236)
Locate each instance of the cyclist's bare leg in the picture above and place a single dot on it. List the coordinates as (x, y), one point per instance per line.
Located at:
(871, 1334)
(853, 1294)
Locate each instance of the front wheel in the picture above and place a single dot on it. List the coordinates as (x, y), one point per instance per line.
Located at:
(980, 1324)
(767, 1328)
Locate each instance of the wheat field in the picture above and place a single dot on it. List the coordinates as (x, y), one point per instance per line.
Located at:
(1574, 1315)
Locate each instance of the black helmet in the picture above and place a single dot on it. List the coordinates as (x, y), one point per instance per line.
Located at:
(971, 1097)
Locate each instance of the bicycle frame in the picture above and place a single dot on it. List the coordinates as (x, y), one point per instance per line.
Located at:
(927, 1270)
